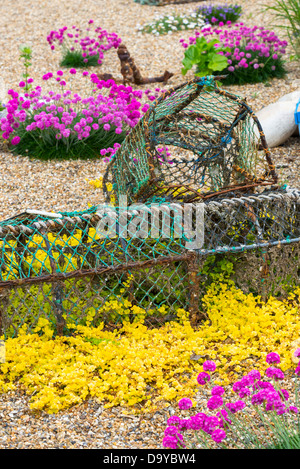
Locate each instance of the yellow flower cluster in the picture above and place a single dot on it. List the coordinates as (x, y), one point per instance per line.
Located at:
(145, 368)
(96, 183)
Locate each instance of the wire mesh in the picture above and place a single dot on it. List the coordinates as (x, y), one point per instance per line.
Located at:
(65, 268)
(194, 141)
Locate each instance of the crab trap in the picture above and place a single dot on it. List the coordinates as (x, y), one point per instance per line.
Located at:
(191, 191)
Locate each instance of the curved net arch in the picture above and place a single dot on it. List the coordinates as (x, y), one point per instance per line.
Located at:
(195, 141)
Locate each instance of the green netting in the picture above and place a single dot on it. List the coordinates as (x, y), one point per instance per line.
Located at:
(66, 266)
(194, 141)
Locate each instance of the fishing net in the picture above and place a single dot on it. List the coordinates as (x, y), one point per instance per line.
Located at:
(196, 140)
(115, 264)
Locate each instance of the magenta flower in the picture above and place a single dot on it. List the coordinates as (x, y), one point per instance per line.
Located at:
(15, 140)
(173, 442)
(185, 403)
(234, 407)
(171, 430)
(203, 378)
(273, 358)
(274, 373)
(244, 392)
(255, 374)
(73, 71)
(195, 422)
(214, 402)
(218, 435)
(297, 353)
(293, 409)
(173, 420)
(22, 84)
(209, 365)
(285, 394)
(217, 391)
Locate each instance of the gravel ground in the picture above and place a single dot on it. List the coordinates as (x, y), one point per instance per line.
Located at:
(26, 183)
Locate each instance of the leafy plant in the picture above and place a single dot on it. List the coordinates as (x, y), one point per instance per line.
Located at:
(74, 59)
(26, 56)
(288, 11)
(252, 54)
(207, 56)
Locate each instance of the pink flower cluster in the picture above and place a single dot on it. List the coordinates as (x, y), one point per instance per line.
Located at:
(91, 41)
(247, 44)
(72, 117)
(250, 386)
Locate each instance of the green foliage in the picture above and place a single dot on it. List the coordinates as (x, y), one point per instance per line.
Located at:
(45, 145)
(74, 59)
(289, 12)
(290, 442)
(269, 68)
(26, 56)
(205, 56)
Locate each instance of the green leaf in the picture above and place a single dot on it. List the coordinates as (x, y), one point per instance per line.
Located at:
(193, 54)
(218, 63)
(187, 63)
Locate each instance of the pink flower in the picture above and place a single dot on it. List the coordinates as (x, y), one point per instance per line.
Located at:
(214, 402)
(209, 365)
(15, 140)
(73, 71)
(171, 430)
(217, 391)
(172, 442)
(218, 435)
(273, 358)
(185, 403)
(202, 378)
(297, 353)
(274, 373)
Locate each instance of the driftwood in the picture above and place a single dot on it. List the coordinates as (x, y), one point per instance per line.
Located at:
(131, 73)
